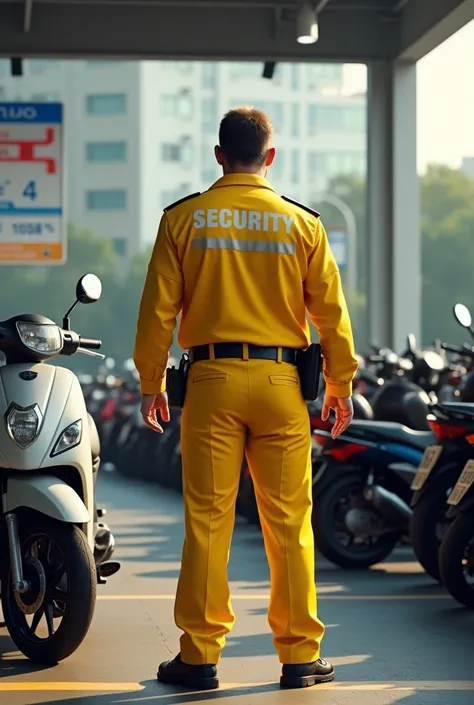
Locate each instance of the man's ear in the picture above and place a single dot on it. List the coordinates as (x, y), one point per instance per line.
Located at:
(219, 155)
(270, 156)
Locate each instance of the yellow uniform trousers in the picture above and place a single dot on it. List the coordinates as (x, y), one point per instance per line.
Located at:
(254, 406)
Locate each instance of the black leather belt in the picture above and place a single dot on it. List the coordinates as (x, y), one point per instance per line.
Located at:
(236, 350)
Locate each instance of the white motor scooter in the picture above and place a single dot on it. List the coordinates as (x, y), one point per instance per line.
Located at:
(52, 551)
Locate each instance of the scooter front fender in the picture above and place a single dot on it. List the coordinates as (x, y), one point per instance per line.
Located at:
(48, 495)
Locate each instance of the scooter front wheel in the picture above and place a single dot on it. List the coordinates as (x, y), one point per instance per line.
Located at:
(50, 620)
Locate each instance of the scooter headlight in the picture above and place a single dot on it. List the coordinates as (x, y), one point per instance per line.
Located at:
(23, 425)
(69, 438)
(40, 337)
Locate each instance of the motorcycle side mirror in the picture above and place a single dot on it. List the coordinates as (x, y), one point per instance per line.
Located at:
(88, 289)
(463, 316)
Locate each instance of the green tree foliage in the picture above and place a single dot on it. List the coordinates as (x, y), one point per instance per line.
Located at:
(447, 225)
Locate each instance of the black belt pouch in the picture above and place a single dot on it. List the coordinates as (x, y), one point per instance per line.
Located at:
(176, 380)
(309, 363)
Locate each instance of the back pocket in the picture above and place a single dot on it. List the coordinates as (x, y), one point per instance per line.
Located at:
(287, 380)
(210, 377)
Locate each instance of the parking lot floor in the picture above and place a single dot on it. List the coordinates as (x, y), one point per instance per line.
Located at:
(394, 636)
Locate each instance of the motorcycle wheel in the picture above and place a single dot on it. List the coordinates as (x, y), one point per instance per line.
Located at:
(328, 524)
(425, 526)
(50, 621)
(456, 560)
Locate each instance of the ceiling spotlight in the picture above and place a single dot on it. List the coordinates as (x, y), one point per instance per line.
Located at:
(307, 31)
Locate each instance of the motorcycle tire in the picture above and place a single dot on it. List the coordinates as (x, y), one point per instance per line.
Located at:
(459, 536)
(424, 525)
(71, 550)
(327, 543)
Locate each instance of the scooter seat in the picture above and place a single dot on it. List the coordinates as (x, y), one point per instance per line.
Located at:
(450, 407)
(391, 431)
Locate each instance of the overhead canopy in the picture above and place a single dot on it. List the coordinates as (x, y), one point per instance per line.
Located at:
(349, 30)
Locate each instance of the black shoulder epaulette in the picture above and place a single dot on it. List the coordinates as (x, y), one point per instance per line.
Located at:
(300, 205)
(181, 200)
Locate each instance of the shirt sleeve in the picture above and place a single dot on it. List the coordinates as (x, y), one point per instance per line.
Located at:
(327, 310)
(159, 307)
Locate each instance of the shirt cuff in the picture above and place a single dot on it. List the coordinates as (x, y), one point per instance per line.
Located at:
(153, 387)
(340, 391)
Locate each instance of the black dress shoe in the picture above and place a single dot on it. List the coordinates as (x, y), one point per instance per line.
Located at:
(303, 675)
(176, 672)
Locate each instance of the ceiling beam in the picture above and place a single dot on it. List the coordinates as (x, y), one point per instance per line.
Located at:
(149, 31)
(425, 25)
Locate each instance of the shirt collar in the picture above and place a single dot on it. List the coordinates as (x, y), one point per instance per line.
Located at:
(243, 180)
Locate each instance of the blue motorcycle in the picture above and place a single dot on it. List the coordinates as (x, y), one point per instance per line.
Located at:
(362, 490)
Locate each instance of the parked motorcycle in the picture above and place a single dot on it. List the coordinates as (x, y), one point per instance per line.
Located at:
(452, 424)
(456, 556)
(362, 490)
(48, 455)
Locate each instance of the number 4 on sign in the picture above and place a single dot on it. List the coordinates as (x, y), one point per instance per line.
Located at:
(30, 190)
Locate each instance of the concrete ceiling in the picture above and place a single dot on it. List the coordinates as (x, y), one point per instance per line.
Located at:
(349, 30)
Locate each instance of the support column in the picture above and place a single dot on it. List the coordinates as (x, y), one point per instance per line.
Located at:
(394, 242)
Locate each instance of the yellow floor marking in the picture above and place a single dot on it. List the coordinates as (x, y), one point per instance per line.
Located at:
(263, 596)
(82, 687)
(372, 685)
(411, 686)
(349, 686)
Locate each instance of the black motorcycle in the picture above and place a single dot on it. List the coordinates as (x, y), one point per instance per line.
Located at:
(456, 556)
(362, 490)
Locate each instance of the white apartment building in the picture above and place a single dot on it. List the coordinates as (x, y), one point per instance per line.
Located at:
(140, 135)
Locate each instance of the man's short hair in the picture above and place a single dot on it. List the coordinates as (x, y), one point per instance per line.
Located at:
(244, 136)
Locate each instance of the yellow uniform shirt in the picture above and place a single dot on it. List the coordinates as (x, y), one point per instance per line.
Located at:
(242, 264)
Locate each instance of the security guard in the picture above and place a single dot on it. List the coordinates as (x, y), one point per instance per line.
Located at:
(243, 266)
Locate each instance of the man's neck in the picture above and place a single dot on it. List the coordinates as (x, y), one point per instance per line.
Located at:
(262, 171)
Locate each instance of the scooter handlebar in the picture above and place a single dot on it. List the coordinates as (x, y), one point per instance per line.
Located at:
(90, 344)
(458, 349)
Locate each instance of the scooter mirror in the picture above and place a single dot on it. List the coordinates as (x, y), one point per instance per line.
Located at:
(88, 289)
(463, 315)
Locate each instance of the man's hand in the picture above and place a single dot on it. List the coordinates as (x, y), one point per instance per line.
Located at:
(150, 404)
(344, 413)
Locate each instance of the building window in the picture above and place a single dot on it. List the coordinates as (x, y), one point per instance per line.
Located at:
(295, 120)
(106, 104)
(106, 151)
(328, 117)
(295, 166)
(107, 200)
(209, 74)
(336, 163)
(178, 104)
(120, 246)
(295, 76)
(323, 73)
(209, 115)
(170, 152)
